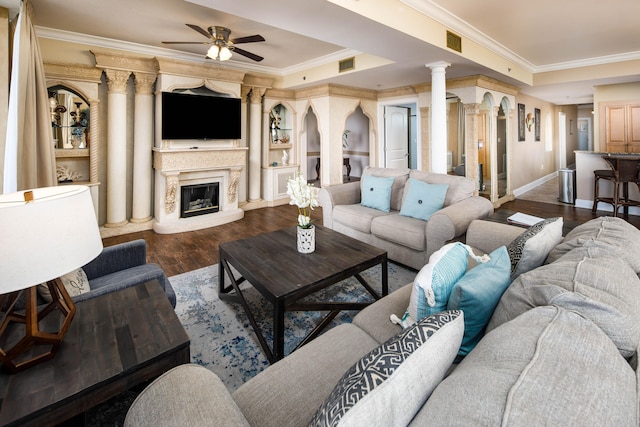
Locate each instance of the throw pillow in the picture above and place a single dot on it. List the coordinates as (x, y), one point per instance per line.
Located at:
(477, 293)
(433, 283)
(423, 199)
(75, 282)
(376, 192)
(530, 249)
(391, 383)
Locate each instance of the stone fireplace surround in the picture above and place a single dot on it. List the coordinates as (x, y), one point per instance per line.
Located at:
(175, 167)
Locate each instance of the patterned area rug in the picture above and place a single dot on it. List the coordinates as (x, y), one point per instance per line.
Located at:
(222, 339)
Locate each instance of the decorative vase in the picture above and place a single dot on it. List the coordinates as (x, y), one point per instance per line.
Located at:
(306, 239)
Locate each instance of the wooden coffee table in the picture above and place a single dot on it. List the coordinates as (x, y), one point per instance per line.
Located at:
(115, 342)
(271, 263)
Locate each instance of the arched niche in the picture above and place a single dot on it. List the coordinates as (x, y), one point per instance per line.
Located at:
(312, 147)
(355, 143)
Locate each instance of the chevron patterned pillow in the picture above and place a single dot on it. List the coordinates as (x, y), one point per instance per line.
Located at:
(374, 390)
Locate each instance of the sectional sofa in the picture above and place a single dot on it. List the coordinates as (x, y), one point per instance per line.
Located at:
(421, 211)
(560, 348)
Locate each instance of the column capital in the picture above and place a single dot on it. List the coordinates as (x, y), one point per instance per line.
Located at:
(471, 108)
(144, 82)
(117, 80)
(256, 95)
(438, 66)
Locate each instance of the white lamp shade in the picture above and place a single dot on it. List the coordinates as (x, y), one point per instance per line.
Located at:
(46, 238)
(225, 54)
(213, 52)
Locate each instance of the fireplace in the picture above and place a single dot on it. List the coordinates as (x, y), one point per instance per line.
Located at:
(199, 199)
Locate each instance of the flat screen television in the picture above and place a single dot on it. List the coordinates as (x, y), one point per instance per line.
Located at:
(187, 116)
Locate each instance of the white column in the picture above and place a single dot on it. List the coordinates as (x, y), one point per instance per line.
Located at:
(142, 147)
(438, 117)
(116, 147)
(255, 143)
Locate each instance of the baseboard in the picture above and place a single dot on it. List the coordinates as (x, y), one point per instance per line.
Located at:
(588, 204)
(530, 186)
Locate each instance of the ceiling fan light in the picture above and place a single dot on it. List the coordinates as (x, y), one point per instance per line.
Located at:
(213, 52)
(225, 53)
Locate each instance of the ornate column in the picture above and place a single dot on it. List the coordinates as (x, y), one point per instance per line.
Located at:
(438, 117)
(94, 139)
(142, 147)
(116, 147)
(471, 118)
(255, 142)
(424, 137)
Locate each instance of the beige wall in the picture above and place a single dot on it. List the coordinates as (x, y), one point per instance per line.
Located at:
(4, 81)
(530, 159)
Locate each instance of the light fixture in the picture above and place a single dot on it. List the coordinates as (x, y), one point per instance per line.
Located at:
(219, 51)
(46, 233)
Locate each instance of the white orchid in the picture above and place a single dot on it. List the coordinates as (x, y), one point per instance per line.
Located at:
(303, 196)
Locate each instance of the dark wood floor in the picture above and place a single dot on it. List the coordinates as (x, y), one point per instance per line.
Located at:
(182, 252)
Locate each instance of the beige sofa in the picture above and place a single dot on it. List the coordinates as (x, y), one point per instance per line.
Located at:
(560, 349)
(407, 240)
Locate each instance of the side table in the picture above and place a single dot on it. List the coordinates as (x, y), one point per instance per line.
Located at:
(115, 342)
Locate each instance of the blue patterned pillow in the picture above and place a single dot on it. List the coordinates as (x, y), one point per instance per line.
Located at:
(433, 283)
(374, 391)
(376, 192)
(423, 199)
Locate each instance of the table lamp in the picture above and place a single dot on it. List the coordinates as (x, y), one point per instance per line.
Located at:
(46, 233)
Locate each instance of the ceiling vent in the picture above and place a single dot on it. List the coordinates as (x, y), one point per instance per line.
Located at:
(347, 64)
(454, 42)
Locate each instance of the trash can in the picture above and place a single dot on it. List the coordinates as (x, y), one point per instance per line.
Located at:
(567, 186)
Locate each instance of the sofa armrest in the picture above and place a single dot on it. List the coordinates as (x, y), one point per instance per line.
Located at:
(187, 395)
(453, 221)
(340, 194)
(487, 236)
(116, 258)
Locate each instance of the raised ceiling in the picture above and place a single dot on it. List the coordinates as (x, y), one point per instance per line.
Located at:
(543, 38)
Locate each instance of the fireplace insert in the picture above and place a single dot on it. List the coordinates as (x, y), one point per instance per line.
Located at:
(199, 199)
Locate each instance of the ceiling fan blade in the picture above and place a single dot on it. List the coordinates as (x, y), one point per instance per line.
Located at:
(186, 42)
(248, 39)
(249, 55)
(200, 30)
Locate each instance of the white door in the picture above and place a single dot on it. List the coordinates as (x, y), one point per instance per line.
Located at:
(396, 137)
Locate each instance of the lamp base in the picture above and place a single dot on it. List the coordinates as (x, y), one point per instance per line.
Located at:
(35, 344)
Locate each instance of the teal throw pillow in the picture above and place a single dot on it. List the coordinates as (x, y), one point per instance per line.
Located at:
(477, 294)
(434, 282)
(376, 192)
(423, 199)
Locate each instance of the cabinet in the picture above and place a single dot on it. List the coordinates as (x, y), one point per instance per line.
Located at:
(622, 127)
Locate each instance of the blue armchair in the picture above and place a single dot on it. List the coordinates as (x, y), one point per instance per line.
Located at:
(120, 266)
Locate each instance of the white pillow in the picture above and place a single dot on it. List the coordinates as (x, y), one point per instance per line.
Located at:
(530, 249)
(75, 282)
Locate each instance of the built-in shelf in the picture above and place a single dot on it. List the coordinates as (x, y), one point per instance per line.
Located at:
(65, 153)
(280, 146)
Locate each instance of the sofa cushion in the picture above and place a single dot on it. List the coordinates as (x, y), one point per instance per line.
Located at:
(460, 188)
(357, 217)
(291, 390)
(477, 293)
(613, 234)
(402, 230)
(549, 366)
(75, 282)
(374, 319)
(399, 176)
(433, 284)
(530, 249)
(376, 192)
(390, 384)
(601, 287)
(422, 199)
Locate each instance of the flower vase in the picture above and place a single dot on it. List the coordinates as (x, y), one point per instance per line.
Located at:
(306, 239)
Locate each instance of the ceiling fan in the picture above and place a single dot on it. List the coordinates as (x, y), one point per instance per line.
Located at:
(221, 45)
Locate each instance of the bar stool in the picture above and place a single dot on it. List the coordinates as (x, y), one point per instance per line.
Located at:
(598, 175)
(625, 169)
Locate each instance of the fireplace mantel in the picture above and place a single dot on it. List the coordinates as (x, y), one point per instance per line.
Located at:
(175, 167)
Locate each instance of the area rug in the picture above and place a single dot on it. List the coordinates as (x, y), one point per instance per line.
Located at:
(222, 339)
(221, 336)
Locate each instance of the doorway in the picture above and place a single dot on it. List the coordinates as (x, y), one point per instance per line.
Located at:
(396, 137)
